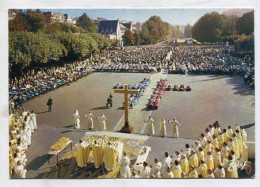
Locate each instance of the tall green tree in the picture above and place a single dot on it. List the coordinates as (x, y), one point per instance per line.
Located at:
(86, 23)
(155, 30)
(128, 37)
(187, 31)
(245, 24)
(31, 21)
(208, 28)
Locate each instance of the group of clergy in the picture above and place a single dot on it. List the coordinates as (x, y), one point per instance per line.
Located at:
(90, 122)
(21, 128)
(162, 122)
(98, 150)
(218, 153)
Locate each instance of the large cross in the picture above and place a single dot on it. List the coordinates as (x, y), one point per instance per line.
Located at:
(125, 91)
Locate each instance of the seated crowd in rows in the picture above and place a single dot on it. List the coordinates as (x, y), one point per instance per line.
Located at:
(194, 59)
(218, 153)
(21, 128)
(209, 60)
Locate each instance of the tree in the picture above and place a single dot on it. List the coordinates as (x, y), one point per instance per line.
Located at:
(31, 21)
(28, 49)
(208, 28)
(245, 24)
(137, 39)
(187, 31)
(86, 23)
(128, 37)
(155, 30)
(64, 27)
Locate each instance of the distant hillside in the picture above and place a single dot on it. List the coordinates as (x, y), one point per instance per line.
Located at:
(236, 12)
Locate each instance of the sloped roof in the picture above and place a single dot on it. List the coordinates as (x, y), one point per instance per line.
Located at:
(127, 25)
(110, 25)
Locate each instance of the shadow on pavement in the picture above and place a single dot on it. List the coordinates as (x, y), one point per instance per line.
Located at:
(241, 88)
(66, 131)
(99, 108)
(214, 78)
(42, 112)
(249, 125)
(36, 163)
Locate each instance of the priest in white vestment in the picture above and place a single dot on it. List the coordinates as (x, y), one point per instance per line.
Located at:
(174, 126)
(102, 122)
(89, 117)
(146, 172)
(162, 127)
(19, 170)
(156, 170)
(219, 172)
(76, 119)
(150, 124)
(33, 117)
(166, 163)
(124, 167)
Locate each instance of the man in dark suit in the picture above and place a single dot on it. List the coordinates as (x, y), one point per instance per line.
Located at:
(49, 103)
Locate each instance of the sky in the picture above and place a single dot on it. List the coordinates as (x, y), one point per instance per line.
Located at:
(172, 16)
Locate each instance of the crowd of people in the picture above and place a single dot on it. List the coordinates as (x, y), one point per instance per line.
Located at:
(133, 59)
(21, 127)
(218, 153)
(35, 83)
(141, 87)
(99, 149)
(209, 60)
(181, 59)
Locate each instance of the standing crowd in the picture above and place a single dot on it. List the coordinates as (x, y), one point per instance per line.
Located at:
(218, 153)
(21, 128)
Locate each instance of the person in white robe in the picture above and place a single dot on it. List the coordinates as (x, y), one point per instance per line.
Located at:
(202, 139)
(19, 170)
(21, 156)
(102, 122)
(169, 173)
(30, 122)
(176, 156)
(33, 117)
(146, 172)
(243, 134)
(156, 171)
(196, 146)
(166, 163)
(28, 135)
(90, 124)
(124, 167)
(76, 119)
(219, 172)
(24, 137)
(28, 125)
(174, 126)
(187, 151)
(210, 174)
(162, 123)
(135, 174)
(150, 124)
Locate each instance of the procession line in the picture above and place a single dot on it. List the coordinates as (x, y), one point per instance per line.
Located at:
(146, 122)
(149, 114)
(119, 122)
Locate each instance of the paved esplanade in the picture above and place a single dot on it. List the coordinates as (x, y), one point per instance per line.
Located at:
(212, 98)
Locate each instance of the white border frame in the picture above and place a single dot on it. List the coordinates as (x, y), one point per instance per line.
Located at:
(111, 4)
